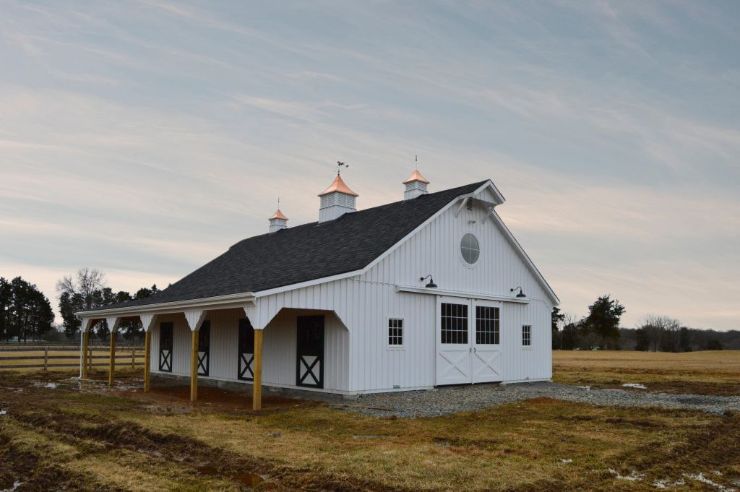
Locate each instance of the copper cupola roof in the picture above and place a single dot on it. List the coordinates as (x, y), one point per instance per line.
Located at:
(338, 185)
(416, 176)
(278, 215)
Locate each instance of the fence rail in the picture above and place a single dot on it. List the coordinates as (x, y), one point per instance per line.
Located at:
(46, 357)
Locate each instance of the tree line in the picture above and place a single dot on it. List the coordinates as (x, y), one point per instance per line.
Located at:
(25, 312)
(87, 291)
(600, 330)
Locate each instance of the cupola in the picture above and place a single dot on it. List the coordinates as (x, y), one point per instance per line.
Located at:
(278, 221)
(416, 185)
(337, 199)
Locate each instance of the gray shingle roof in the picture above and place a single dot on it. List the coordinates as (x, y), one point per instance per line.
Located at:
(308, 251)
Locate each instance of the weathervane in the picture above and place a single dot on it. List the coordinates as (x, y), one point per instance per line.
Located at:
(339, 166)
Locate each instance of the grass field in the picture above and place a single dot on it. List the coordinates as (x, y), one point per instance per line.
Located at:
(95, 439)
(708, 372)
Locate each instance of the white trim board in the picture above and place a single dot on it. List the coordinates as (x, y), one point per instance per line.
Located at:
(222, 302)
(462, 294)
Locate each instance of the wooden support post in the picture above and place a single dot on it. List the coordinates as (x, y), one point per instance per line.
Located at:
(46, 359)
(147, 350)
(257, 382)
(133, 357)
(85, 353)
(89, 356)
(194, 367)
(112, 365)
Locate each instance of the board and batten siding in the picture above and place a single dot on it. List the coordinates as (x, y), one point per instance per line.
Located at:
(365, 303)
(435, 250)
(279, 349)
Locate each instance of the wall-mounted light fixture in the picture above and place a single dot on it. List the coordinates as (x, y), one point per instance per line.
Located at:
(431, 284)
(521, 294)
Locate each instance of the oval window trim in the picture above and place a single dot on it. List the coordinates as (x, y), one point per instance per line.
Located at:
(470, 249)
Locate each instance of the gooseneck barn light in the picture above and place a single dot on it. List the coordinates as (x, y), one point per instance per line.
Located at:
(431, 284)
(521, 294)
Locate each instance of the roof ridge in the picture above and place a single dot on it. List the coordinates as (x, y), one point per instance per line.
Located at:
(316, 222)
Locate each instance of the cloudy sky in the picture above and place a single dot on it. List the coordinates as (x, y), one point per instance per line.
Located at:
(144, 138)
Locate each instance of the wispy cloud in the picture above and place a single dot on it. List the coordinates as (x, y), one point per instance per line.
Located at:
(149, 136)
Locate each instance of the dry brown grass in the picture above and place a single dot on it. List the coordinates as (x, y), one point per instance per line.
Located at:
(135, 441)
(708, 372)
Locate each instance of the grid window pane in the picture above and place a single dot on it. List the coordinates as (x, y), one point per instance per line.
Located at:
(486, 325)
(395, 332)
(454, 323)
(526, 335)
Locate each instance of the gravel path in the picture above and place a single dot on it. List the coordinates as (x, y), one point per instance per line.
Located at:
(447, 400)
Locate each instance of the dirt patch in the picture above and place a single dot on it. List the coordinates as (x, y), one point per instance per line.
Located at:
(167, 399)
(707, 448)
(197, 455)
(27, 469)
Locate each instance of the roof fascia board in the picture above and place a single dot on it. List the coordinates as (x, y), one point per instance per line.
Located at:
(222, 302)
(307, 283)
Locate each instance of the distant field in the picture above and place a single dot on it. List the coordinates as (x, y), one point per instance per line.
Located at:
(707, 372)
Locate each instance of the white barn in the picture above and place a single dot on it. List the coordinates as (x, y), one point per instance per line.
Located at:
(430, 290)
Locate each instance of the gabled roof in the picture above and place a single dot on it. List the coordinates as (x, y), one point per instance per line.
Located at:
(307, 252)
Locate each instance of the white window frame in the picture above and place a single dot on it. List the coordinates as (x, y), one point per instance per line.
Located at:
(392, 346)
(460, 253)
(527, 329)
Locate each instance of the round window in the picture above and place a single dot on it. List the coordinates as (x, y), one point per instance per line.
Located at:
(469, 248)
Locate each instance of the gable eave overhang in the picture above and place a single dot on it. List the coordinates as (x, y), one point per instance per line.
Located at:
(216, 302)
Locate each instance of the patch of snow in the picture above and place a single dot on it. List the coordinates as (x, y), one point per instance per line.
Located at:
(635, 386)
(16, 484)
(46, 385)
(666, 483)
(566, 461)
(587, 388)
(3, 412)
(699, 477)
(632, 477)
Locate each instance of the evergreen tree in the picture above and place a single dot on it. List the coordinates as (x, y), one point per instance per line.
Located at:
(25, 310)
(603, 320)
(557, 318)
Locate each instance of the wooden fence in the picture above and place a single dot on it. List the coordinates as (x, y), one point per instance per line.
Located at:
(67, 357)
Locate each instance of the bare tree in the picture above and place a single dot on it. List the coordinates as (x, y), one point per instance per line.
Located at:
(662, 333)
(88, 283)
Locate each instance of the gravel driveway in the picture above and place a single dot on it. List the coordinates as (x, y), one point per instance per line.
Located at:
(452, 399)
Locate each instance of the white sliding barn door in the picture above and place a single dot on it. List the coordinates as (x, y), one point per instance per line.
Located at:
(485, 338)
(453, 341)
(468, 341)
